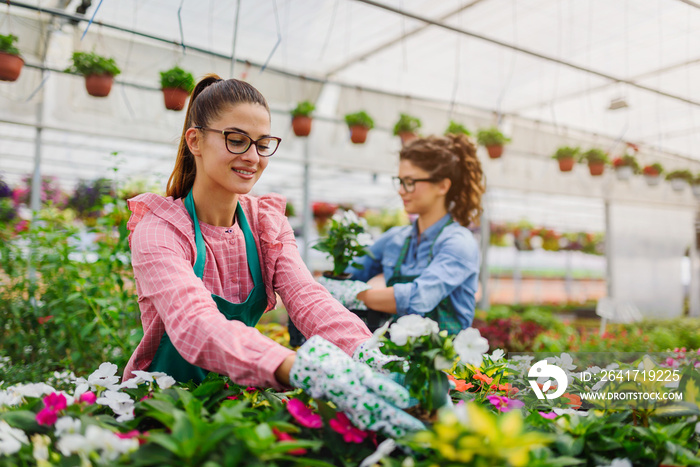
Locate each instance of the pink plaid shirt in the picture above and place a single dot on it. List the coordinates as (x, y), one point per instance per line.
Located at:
(173, 299)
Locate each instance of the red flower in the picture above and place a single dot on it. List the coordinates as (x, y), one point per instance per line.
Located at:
(461, 385)
(649, 170)
(134, 434)
(341, 424)
(55, 401)
(282, 436)
(574, 400)
(46, 417)
(44, 319)
(303, 414)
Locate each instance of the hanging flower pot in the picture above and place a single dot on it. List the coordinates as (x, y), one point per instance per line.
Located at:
(407, 137)
(652, 180)
(493, 140)
(301, 118)
(696, 189)
(566, 164)
(652, 174)
(495, 151)
(99, 85)
(596, 159)
(624, 172)
(99, 72)
(406, 128)
(678, 184)
(177, 84)
(679, 179)
(566, 157)
(359, 123)
(596, 168)
(10, 66)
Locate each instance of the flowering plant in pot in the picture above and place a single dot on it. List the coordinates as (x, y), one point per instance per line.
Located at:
(10, 61)
(359, 123)
(566, 156)
(652, 173)
(455, 128)
(625, 166)
(346, 239)
(301, 118)
(596, 159)
(679, 179)
(406, 127)
(99, 72)
(493, 140)
(176, 84)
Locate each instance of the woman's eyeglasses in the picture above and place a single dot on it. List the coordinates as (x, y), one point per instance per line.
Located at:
(238, 143)
(409, 184)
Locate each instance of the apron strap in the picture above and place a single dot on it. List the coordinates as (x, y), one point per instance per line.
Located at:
(199, 240)
(404, 250)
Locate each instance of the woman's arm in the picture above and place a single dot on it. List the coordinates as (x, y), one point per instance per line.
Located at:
(379, 299)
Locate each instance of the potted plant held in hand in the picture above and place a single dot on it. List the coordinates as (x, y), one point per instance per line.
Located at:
(301, 118)
(99, 72)
(596, 159)
(346, 239)
(176, 84)
(359, 123)
(652, 173)
(566, 156)
(493, 140)
(10, 61)
(406, 127)
(679, 179)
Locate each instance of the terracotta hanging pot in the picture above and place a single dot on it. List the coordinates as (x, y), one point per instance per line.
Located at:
(99, 85)
(358, 134)
(566, 164)
(175, 98)
(406, 137)
(495, 151)
(10, 66)
(301, 125)
(596, 168)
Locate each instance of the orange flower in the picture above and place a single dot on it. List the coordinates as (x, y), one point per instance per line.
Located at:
(507, 387)
(482, 377)
(460, 383)
(574, 400)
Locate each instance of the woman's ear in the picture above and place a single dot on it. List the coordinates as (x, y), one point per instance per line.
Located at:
(444, 185)
(192, 139)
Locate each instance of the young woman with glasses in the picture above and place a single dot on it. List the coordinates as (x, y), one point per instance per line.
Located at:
(432, 266)
(208, 260)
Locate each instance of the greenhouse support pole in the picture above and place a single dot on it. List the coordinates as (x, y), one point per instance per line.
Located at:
(694, 291)
(306, 226)
(484, 302)
(608, 252)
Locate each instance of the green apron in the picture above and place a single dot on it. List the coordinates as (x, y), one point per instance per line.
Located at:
(444, 313)
(167, 359)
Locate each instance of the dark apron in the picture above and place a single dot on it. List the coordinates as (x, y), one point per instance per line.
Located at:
(167, 359)
(444, 313)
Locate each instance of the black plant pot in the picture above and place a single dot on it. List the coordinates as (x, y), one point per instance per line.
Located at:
(296, 338)
(373, 319)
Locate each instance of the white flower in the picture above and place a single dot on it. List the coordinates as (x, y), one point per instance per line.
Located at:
(104, 377)
(109, 443)
(120, 403)
(73, 444)
(67, 425)
(364, 239)
(441, 363)
(697, 428)
(383, 450)
(81, 387)
(497, 355)
(40, 445)
(373, 342)
(411, 326)
(598, 385)
(165, 381)
(621, 463)
(470, 346)
(408, 462)
(142, 377)
(11, 439)
(565, 362)
(350, 217)
(558, 411)
(9, 398)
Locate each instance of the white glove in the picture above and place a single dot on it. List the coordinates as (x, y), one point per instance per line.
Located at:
(370, 401)
(368, 353)
(345, 291)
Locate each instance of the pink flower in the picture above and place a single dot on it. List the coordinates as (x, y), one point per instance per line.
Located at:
(303, 414)
(251, 389)
(232, 398)
(550, 415)
(46, 416)
(504, 404)
(341, 424)
(55, 401)
(88, 397)
(133, 434)
(282, 436)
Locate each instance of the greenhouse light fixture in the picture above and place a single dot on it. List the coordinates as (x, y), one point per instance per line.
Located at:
(618, 103)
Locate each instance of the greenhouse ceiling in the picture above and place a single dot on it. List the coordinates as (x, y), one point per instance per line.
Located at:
(593, 72)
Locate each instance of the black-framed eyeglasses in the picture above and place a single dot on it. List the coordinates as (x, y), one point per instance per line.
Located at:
(238, 143)
(409, 184)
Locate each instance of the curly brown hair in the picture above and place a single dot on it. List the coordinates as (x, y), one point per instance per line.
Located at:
(454, 157)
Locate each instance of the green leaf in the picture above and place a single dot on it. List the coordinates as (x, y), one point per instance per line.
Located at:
(207, 389)
(167, 441)
(24, 420)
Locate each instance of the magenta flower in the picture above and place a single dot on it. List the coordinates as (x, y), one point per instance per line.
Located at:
(341, 424)
(303, 414)
(504, 404)
(549, 416)
(55, 401)
(47, 416)
(282, 436)
(88, 397)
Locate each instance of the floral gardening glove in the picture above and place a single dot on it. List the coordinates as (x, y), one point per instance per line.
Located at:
(368, 353)
(345, 291)
(370, 401)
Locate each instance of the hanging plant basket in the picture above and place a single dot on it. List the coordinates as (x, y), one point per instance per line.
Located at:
(495, 151)
(10, 66)
(358, 134)
(566, 164)
(175, 98)
(696, 189)
(624, 172)
(407, 137)
(678, 184)
(301, 125)
(652, 180)
(596, 168)
(99, 85)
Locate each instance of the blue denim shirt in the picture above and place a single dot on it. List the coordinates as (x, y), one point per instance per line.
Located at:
(453, 271)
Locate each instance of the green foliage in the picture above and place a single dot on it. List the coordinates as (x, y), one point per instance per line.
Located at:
(491, 137)
(7, 44)
(406, 124)
(360, 118)
(178, 78)
(346, 239)
(89, 63)
(455, 128)
(566, 152)
(683, 174)
(594, 155)
(303, 109)
(627, 160)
